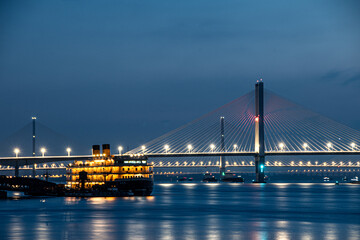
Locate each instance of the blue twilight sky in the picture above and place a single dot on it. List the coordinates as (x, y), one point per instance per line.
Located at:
(125, 72)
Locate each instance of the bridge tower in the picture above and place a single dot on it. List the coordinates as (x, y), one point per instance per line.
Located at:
(222, 147)
(259, 132)
(33, 146)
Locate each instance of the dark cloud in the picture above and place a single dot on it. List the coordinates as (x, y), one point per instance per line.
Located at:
(353, 79)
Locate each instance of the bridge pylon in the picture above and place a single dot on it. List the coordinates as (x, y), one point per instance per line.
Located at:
(259, 132)
(222, 147)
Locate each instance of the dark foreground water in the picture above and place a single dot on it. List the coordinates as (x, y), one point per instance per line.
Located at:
(193, 211)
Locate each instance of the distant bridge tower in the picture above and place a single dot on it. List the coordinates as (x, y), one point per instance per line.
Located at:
(259, 132)
(222, 147)
(33, 146)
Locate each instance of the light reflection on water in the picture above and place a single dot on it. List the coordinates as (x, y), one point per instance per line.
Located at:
(192, 211)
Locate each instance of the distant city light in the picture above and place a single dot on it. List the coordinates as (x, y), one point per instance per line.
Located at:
(16, 151)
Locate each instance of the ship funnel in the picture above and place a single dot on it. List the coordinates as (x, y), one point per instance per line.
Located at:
(96, 150)
(106, 150)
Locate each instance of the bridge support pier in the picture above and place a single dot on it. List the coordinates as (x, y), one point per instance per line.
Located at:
(34, 171)
(17, 168)
(259, 133)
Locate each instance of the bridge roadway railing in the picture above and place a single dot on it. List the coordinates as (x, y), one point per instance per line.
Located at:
(21, 161)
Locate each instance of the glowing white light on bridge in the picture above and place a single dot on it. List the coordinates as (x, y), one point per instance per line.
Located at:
(43, 151)
(68, 151)
(16, 151)
(281, 146)
(212, 147)
(305, 146)
(235, 147)
(166, 147)
(120, 148)
(329, 145)
(189, 147)
(353, 145)
(143, 148)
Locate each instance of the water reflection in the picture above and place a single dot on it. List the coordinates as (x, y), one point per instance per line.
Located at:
(192, 211)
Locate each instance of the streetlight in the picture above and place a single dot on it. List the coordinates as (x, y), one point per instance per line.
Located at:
(43, 151)
(329, 145)
(353, 145)
(68, 151)
(143, 148)
(281, 146)
(16, 151)
(189, 147)
(235, 147)
(305, 146)
(166, 147)
(212, 147)
(120, 148)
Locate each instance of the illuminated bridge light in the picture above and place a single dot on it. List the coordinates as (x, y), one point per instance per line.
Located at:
(43, 151)
(281, 146)
(189, 147)
(235, 147)
(120, 148)
(329, 145)
(143, 148)
(166, 147)
(212, 147)
(68, 150)
(353, 146)
(300, 163)
(305, 146)
(16, 151)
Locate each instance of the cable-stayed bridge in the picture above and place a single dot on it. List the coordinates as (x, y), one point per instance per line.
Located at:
(244, 132)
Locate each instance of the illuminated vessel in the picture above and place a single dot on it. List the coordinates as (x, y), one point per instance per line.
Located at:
(208, 177)
(231, 177)
(109, 175)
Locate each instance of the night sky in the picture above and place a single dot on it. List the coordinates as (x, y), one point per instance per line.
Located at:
(125, 72)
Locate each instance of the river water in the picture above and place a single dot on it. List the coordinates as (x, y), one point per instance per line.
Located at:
(193, 211)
